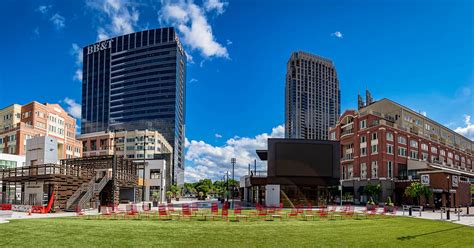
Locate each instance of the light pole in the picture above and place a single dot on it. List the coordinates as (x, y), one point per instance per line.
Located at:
(227, 185)
(233, 160)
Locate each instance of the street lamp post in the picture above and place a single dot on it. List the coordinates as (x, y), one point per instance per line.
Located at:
(449, 197)
(114, 170)
(233, 160)
(227, 185)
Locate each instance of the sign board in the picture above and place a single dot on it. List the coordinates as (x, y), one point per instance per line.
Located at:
(455, 181)
(99, 46)
(425, 180)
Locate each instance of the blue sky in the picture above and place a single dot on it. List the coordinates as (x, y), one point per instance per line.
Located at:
(418, 53)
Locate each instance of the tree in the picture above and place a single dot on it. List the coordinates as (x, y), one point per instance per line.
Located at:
(372, 190)
(176, 190)
(416, 190)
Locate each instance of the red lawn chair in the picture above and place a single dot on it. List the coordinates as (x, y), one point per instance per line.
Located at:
(293, 213)
(132, 210)
(348, 211)
(371, 212)
(322, 212)
(238, 213)
(186, 211)
(162, 213)
(261, 212)
(214, 211)
(308, 212)
(105, 211)
(225, 212)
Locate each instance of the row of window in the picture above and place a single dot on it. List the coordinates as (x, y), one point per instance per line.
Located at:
(348, 170)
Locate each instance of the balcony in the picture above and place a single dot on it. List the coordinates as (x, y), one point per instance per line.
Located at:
(347, 157)
(347, 132)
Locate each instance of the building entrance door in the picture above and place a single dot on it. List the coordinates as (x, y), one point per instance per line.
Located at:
(437, 199)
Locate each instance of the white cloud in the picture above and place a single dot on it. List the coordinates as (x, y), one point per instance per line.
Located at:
(76, 51)
(36, 32)
(218, 6)
(191, 21)
(468, 130)
(44, 9)
(208, 161)
(193, 80)
(58, 20)
(229, 42)
(73, 108)
(218, 135)
(121, 17)
(423, 113)
(337, 34)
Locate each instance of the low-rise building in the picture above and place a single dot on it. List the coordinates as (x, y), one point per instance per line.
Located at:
(389, 144)
(147, 147)
(18, 123)
(11, 161)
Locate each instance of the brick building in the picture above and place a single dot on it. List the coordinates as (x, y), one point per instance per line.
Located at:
(386, 143)
(19, 123)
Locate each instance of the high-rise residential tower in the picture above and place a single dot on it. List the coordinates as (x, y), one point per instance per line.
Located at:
(137, 81)
(312, 97)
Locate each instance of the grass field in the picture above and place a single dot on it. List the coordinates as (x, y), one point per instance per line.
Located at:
(381, 232)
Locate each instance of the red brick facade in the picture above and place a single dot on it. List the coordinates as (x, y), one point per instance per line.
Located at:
(34, 120)
(416, 149)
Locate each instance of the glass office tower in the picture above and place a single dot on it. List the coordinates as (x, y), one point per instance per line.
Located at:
(137, 81)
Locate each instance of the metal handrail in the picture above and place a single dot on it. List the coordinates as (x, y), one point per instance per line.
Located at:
(99, 186)
(88, 195)
(78, 192)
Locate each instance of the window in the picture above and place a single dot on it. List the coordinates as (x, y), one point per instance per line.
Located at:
(389, 149)
(363, 124)
(418, 123)
(362, 139)
(427, 127)
(389, 169)
(402, 151)
(374, 149)
(450, 155)
(442, 152)
(402, 140)
(389, 136)
(424, 147)
(155, 174)
(333, 136)
(414, 143)
(408, 118)
(414, 154)
(349, 172)
(363, 170)
(375, 169)
(374, 136)
(456, 157)
(424, 156)
(434, 149)
(363, 151)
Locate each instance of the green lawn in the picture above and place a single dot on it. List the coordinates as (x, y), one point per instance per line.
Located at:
(381, 232)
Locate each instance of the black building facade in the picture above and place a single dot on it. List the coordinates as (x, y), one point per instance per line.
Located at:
(137, 81)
